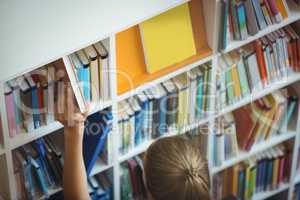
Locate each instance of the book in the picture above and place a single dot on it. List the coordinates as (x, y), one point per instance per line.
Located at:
(241, 14)
(11, 118)
(168, 50)
(98, 126)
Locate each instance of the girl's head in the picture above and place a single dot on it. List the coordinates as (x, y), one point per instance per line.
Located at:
(175, 169)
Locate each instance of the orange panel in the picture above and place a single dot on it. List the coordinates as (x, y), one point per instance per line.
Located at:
(131, 65)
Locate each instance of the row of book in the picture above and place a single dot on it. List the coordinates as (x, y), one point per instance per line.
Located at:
(100, 186)
(264, 172)
(91, 66)
(258, 64)
(167, 107)
(241, 19)
(30, 100)
(38, 168)
(132, 183)
(253, 124)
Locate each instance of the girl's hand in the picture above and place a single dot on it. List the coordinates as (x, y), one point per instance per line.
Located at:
(67, 111)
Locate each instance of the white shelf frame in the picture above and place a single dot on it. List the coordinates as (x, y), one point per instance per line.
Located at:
(212, 19)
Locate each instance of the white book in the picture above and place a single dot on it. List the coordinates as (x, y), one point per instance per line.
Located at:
(83, 58)
(50, 96)
(192, 98)
(94, 71)
(254, 72)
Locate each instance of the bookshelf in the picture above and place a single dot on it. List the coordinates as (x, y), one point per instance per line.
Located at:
(90, 30)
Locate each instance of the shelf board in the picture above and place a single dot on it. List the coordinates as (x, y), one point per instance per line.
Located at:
(2, 151)
(271, 142)
(46, 31)
(144, 146)
(51, 192)
(265, 91)
(98, 106)
(297, 178)
(99, 167)
(267, 194)
(24, 138)
(294, 16)
(158, 80)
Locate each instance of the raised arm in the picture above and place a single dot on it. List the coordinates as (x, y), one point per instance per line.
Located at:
(74, 173)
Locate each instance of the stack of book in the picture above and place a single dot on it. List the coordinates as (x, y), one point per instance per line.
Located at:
(258, 64)
(96, 139)
(30, 100)
(264, 172)
(242, 19)
(38, 168)
(252, 124)
(100, 187)
(91, 67)
(167, 107)
(132, 180)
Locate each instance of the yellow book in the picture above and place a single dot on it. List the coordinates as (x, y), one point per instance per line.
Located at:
(181, 85)
(236, 81)
(168, 38)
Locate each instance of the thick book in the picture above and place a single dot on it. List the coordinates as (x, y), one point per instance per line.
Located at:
(96, 131)
(259, 14)
(241, 14)
(11, 118)
(94, 72)
(250, 14)
(161, 45)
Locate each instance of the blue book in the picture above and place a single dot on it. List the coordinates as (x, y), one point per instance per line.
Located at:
(83, 75)
(40, 176)
(259, 14)
(199, 98)
(241, 12)
(144, 104)
(40, 148)
(138, 124)
(35, 108)
(225, 23)
(241, 184)
(97, 128)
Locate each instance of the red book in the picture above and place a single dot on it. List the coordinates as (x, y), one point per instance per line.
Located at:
(261, 61)
(244, 127)
(133, 179)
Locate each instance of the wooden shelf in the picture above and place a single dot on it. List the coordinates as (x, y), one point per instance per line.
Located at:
(292, 78)
(294, 16)
(99, 167)
(267, 194)
(258, 148)
(45, 31)
(144, 146)
(24, 138)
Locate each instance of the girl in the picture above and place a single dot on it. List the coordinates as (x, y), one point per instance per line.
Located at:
(174, 167)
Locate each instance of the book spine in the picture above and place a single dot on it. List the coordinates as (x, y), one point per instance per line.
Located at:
(12, 126)
(241, 13)
(261, 62)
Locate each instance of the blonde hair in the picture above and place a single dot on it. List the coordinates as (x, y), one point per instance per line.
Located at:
(175, 169)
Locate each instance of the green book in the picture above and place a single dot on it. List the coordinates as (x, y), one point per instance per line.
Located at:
(199, 96)
(208, 88)
(126, 190)
(229, 87)
(243, 78)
